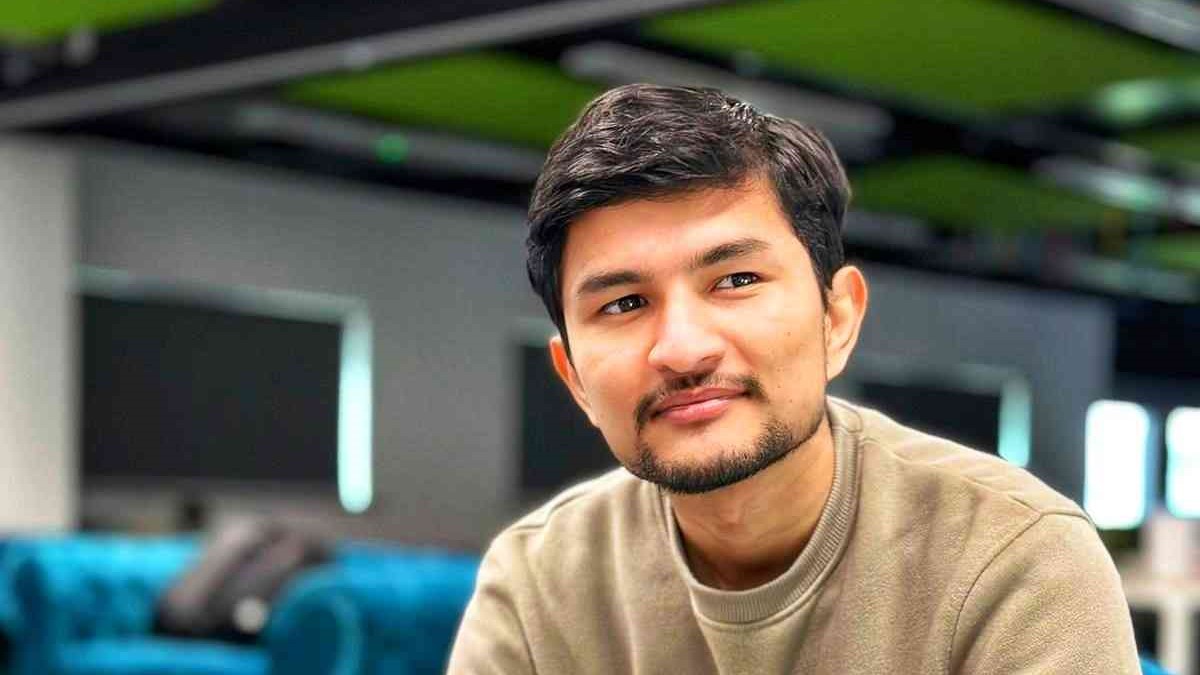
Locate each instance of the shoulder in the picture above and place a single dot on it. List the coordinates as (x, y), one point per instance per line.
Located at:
(932, 467)
(549, 567)
(1055, 584)
(575, 528)
(591, 508)
(1009, 555)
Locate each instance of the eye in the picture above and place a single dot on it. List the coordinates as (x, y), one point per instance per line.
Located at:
(625, 304)
(737, 280)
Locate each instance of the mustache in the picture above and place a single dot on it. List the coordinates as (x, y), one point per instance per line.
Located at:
(748, 383)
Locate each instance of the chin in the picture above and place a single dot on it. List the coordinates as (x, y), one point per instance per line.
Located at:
(704, 464)
(698, 477)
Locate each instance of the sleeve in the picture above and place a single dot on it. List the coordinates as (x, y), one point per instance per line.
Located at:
(1049, 602)
(491, 639)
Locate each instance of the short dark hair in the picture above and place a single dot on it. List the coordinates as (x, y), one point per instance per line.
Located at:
(644, 141)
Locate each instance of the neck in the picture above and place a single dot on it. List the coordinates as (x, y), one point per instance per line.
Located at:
(744, 535)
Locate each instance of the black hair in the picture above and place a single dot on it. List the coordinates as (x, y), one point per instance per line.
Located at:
(644, 141)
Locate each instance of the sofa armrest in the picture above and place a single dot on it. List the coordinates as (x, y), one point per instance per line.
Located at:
(396, 616)
(315, 629)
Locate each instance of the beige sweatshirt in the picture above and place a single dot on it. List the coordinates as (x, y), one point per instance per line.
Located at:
(928, 558)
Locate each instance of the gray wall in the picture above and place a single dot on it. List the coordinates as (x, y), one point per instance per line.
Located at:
(37, 338)
(446, 290)
(444, 284)
(1062, 343)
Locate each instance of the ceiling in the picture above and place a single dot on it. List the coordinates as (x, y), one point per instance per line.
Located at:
(1033, 139)
(976, 55)
(496, 95)
(23, 21)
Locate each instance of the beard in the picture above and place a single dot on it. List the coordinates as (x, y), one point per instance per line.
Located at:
(774, 442)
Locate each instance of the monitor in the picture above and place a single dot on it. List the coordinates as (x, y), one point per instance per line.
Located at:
(987, 408)
(196, 387)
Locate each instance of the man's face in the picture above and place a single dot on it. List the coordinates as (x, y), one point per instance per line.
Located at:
(697, 333)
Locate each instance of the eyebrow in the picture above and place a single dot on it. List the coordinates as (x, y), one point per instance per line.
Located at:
(603, 281)
(738, 248)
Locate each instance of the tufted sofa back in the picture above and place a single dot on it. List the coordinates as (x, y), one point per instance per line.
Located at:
(88, 587)
(89, 600)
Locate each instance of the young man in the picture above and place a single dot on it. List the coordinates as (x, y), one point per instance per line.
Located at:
(689, 250)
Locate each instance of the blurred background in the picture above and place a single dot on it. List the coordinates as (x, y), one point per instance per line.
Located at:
(264, 261)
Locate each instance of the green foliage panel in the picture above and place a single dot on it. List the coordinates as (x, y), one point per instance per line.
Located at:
(489, 95)
(966, 54)
(961, 193)
(1179, 142)
(1177, 251)
(32, 20)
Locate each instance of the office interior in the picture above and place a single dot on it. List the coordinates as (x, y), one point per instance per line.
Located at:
(264, 262)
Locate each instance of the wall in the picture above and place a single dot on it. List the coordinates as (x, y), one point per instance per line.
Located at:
(37, 337)
(443, 281)
(1062, 343)
(445, 284)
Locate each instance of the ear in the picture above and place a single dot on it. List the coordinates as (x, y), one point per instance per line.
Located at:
(844, 314)
(566, 373)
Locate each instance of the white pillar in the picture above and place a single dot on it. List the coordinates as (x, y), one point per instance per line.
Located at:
(38, 329)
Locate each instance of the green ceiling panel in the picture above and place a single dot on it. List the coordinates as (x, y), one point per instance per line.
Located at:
(968, 54)
(493, 96)
(1177, 142)
(962, 193)
(1178, 251)
(31, 20)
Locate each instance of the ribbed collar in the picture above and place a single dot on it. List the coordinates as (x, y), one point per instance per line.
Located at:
(814, 562)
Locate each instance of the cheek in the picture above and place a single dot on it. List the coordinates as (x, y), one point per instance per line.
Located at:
(785, 333)
(786, 351)
(612, 382)
(610, 379)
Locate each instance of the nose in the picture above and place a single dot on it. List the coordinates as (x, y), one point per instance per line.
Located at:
(687, 341)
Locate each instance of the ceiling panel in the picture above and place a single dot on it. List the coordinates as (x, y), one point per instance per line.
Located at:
(966, 54)
(490, 95)
(31, 20)
(1178, 142)
(965, 194)
(1177, 251)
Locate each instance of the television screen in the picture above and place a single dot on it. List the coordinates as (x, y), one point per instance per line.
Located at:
(982, 406)
(182, 390)
(964, 416)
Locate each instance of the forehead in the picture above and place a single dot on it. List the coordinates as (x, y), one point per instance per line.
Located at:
(650, 233)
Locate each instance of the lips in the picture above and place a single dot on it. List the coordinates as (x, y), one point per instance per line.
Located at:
(688, 404)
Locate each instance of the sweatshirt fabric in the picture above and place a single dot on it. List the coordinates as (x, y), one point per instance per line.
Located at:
(928, 558)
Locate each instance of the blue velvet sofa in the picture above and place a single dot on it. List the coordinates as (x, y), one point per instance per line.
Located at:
(87, 608)
(396, 617)
(84, 605)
